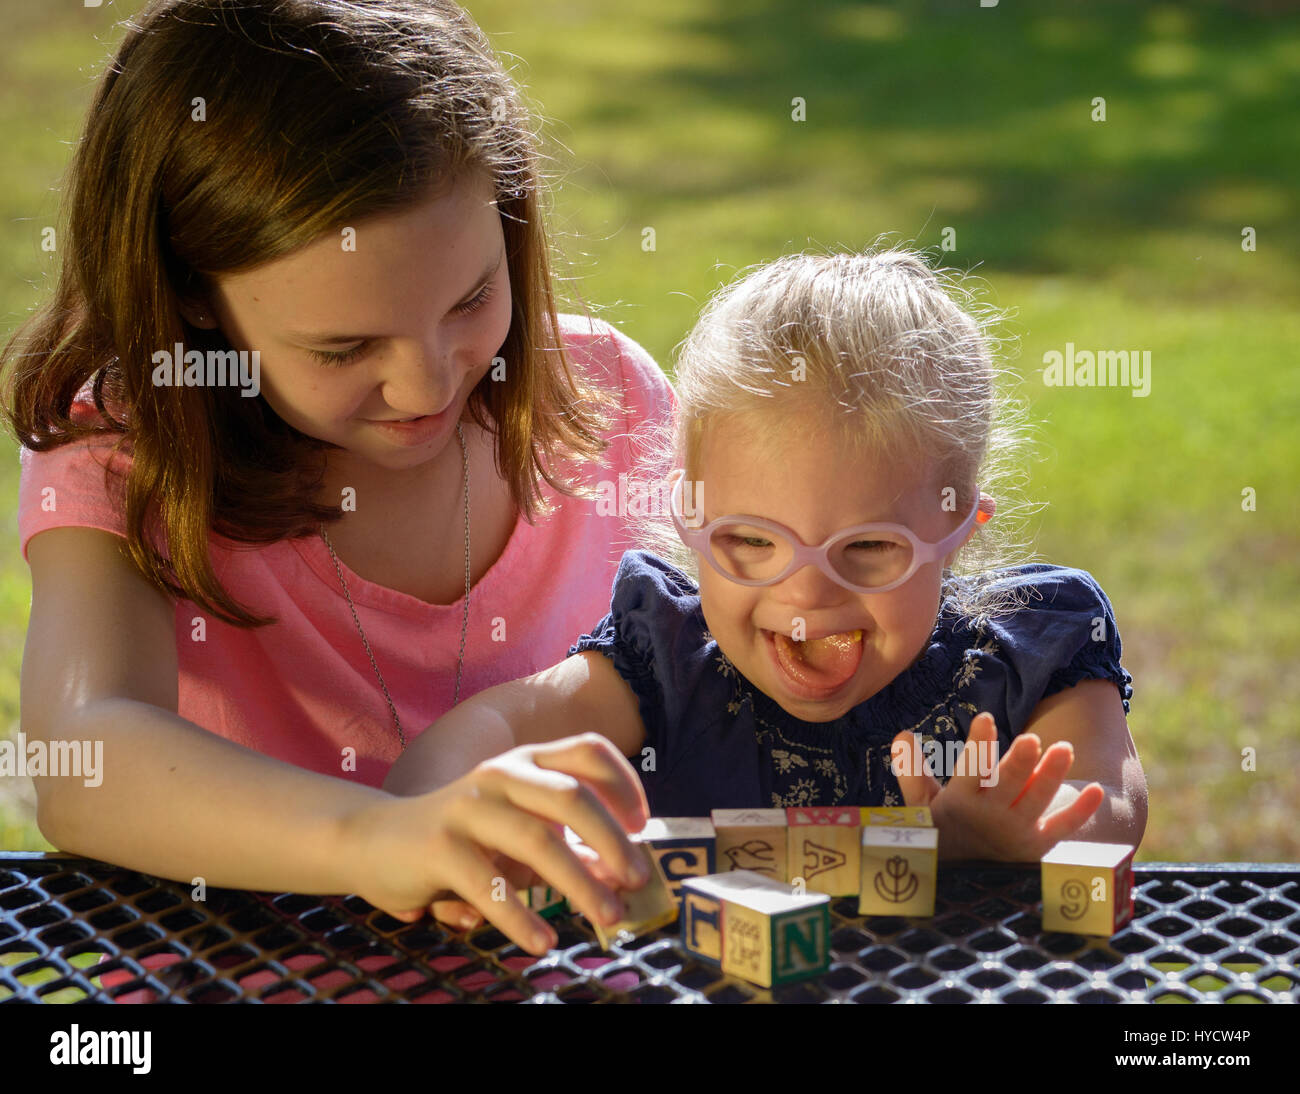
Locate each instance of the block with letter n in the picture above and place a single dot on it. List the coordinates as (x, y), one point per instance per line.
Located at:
(756, 928)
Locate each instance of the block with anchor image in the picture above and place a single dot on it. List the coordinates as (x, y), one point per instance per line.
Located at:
(899, 870)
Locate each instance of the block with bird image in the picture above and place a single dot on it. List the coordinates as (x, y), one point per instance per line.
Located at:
(752, 839)
(1087, 887)
(899, 870)
(756, 928)
(824, 848)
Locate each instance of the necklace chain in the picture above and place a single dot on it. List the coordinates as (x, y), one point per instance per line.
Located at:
(464, 623)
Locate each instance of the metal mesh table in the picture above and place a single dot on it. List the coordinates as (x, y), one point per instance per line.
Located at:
(75, 930)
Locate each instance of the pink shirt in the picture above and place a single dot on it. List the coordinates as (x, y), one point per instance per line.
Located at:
(302, 689)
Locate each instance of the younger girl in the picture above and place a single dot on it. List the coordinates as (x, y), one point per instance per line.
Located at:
(837, 429)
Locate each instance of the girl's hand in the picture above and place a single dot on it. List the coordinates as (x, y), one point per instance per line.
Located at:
(1004, 821)
(467, 846)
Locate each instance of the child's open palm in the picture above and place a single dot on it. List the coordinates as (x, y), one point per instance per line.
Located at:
(1008, 819)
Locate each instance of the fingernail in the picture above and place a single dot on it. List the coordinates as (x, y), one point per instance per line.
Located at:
(467, 921)
(611, 910)
(541, 942)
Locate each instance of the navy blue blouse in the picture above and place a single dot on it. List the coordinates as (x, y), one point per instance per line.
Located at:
(721, 743)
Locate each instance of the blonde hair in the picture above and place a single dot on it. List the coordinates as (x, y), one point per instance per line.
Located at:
(900, 354)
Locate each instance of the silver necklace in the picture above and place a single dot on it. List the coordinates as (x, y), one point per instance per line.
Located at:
(464, 623)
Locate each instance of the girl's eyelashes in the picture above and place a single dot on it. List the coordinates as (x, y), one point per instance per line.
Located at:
(327, 357)
(477, 300)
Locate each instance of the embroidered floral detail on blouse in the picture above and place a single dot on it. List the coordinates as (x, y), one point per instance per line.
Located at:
(802, 793)
(971, 663)
(937, 724)
(785, 761)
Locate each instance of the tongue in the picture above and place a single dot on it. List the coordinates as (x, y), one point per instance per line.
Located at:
(821, 662)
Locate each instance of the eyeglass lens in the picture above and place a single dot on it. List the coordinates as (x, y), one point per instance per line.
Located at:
(760, 554)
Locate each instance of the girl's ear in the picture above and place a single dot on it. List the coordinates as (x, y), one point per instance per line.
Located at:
(947, 562)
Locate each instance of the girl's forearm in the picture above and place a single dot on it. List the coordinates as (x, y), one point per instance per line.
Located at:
(179, 802)
(453, 746)
(1118, 819)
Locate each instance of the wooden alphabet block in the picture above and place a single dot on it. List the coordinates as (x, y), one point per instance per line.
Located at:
(651, 906)
(756, 928)
(899, 870)
(824, 848)
(1087, 887)
(544, 900)
(902, 816)
(683, 846)
(702, 922)
(752, 839)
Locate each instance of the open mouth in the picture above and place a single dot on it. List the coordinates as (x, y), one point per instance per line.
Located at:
(817, 667)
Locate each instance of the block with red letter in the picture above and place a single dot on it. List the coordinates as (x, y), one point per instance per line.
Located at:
(756, 928)
(899, 870)
(898, 816)
(824, 848)
(752, 839)
(683, 846)
(1087, 887)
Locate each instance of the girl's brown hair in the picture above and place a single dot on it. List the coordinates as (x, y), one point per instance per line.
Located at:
(225, 134)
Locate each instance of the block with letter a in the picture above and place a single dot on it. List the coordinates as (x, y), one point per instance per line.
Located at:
(824, 848)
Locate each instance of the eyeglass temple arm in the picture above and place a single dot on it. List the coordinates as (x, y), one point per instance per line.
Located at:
(981, 513)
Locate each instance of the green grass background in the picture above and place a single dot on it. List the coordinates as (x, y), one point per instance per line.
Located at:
(676, 115)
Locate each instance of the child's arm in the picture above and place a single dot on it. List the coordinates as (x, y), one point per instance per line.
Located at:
(1090, 718)
(581, 694)
(1030, 807)
(177, 801)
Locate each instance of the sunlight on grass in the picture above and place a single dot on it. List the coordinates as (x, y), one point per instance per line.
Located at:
(1110, 235)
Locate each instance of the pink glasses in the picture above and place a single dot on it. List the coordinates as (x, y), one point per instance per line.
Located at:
(867, 558)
